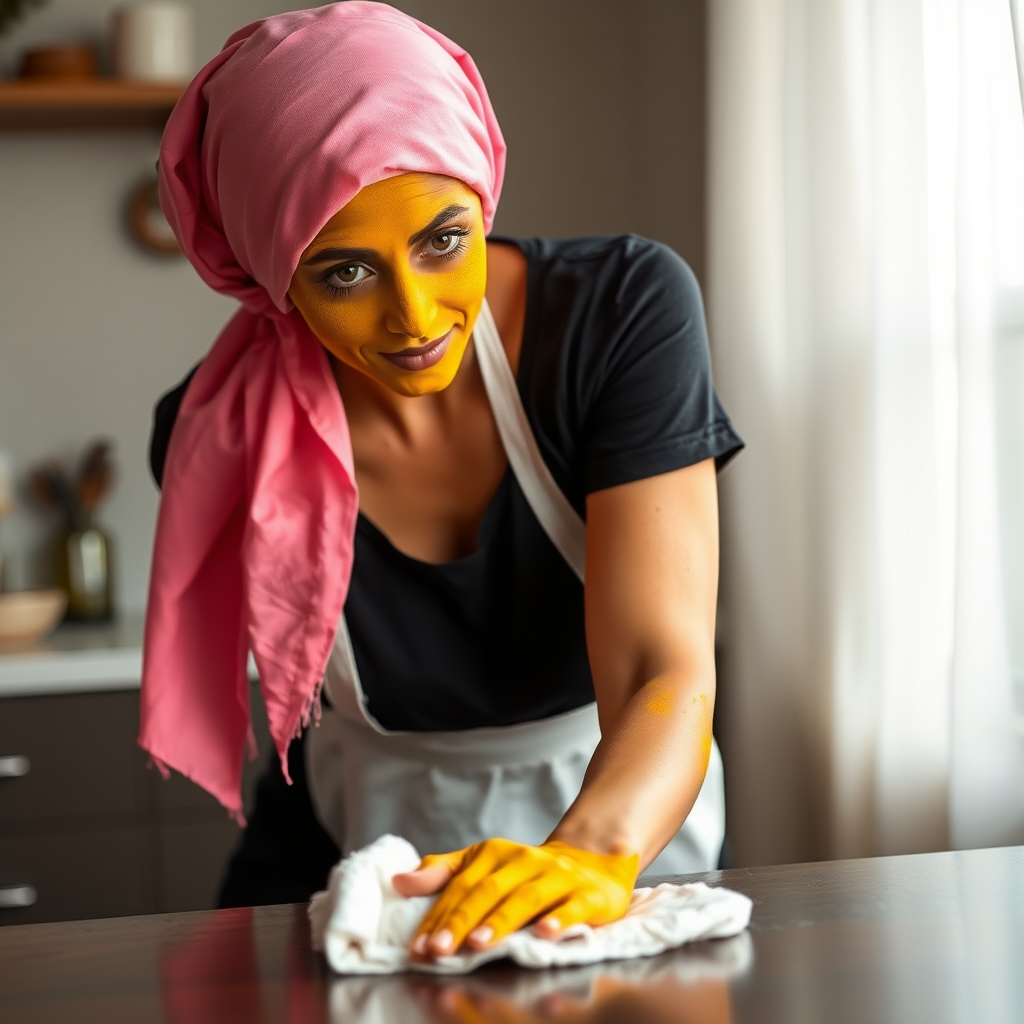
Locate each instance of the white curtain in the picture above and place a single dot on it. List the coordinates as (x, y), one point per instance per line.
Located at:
(854, 269)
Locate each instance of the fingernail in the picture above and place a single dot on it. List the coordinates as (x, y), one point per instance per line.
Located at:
(419, 944)
(442, 941)
(551, 924)
(481, 936)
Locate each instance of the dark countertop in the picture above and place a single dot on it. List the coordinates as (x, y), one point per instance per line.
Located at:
(932, 938)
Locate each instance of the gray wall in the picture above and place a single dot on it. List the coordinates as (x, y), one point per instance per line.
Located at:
(602, 105)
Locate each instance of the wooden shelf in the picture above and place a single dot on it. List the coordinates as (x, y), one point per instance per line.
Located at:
(98, 103)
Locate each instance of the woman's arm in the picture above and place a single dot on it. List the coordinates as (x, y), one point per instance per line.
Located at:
(652, 580)
(652, 571)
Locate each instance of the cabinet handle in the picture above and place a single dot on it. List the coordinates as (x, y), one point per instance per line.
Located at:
(14, 766)
(12, 896)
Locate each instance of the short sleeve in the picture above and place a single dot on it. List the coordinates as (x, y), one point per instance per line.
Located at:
(164, 417)
(655, 408)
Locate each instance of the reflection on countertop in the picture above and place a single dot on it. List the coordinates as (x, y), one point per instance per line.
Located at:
(684, 986)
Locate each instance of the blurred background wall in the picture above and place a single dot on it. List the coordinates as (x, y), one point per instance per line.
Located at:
(603, 108)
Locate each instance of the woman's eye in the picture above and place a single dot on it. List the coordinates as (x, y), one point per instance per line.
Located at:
(441, 245)
(347, 276)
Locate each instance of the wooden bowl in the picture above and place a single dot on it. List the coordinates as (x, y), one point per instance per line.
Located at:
(30, 614)
(71, 60)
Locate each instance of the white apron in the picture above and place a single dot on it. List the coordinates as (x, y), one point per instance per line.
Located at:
(446, 790)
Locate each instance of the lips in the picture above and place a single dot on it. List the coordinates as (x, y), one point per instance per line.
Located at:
(420, 357)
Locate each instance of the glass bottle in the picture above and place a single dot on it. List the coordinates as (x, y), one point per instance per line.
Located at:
(84, 571)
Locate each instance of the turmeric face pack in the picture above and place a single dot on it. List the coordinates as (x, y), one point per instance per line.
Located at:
(393, 282)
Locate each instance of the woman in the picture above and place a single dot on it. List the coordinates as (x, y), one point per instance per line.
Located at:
(409, 423)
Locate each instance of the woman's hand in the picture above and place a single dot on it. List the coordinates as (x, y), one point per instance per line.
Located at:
(494, 888)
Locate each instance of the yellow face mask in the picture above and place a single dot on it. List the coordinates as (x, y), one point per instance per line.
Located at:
(393, 282)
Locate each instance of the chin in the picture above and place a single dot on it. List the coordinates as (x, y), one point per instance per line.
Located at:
(419, 383)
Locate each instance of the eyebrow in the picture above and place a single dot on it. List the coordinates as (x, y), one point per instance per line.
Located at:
(445, 215)
(342, 255)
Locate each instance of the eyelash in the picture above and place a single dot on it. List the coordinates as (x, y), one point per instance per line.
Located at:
(459, 249)
(335, 292)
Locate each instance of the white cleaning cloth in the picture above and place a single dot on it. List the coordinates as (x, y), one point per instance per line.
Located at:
(364, 926)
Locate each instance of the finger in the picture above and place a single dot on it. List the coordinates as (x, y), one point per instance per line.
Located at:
(591, 906)
(473, 871)
(530, 899)
(478, 861)
(482, 900)
(431, 876)
(469, 898)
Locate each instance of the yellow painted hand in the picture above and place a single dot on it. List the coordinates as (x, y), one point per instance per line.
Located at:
(493, 888)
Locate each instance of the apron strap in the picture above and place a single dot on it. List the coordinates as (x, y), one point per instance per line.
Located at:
(561, 522)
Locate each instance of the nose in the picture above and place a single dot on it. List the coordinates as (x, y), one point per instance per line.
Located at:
(412, 310)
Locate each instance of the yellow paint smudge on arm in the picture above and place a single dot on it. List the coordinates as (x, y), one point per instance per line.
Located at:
(659, 697)
(705, 746)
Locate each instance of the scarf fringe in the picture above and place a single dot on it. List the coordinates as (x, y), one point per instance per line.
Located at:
(312, 709)
(310, 714)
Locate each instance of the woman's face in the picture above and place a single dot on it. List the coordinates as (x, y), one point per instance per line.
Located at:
(394, 281)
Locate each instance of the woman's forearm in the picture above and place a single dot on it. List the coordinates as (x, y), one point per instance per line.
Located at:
(651, 587)
(647, 770)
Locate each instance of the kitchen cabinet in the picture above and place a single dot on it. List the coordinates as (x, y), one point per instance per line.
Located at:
(76, 871)
(86, 829)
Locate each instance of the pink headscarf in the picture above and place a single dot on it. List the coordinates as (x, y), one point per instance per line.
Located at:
(254, 538)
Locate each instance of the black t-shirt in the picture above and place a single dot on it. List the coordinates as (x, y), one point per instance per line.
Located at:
(615, 377)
